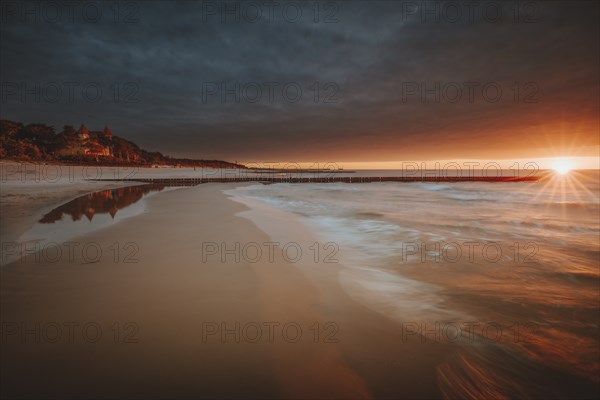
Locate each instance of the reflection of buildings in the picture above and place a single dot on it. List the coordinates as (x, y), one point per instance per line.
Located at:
(106, 201)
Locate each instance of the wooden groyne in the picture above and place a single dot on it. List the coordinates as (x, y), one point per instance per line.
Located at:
(329, 179)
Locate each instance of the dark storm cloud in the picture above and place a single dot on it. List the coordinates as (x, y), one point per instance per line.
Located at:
(167, 55)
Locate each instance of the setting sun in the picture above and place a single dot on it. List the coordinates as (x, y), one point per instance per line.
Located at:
(563, 166)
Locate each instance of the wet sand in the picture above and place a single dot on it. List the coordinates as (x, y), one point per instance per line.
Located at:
(161, 318)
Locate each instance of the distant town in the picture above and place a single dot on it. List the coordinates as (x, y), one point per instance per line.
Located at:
(41, 143)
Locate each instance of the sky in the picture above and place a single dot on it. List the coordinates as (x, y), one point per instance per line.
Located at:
(355, 82)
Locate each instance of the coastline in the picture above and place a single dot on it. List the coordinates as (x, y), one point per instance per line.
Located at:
(171, 297)
(186, 282)
(29, 189)
(435, 294)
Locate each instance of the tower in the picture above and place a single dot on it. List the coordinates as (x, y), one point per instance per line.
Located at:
(83, 133)
(107, 133)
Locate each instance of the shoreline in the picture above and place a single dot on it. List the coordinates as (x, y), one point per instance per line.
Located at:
(200, 273)
(171, 295)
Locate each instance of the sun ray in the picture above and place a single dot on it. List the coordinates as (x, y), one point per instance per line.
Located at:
(581, 186)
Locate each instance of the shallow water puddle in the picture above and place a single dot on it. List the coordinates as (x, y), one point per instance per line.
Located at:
(83, 215)
(98, 203)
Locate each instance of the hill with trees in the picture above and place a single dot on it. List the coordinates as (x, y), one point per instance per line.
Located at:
(41, 143)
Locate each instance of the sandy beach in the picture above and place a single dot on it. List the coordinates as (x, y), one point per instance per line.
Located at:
(175, 320)
(239, 290)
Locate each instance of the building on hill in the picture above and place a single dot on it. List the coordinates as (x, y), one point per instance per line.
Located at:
(83, 133)
(88, 144)
(93, 148)
(107, 133)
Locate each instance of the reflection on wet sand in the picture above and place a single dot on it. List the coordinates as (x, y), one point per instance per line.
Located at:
(106, 201)
(102, 209)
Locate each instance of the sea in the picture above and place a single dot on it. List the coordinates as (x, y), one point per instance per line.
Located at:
(510, 272)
